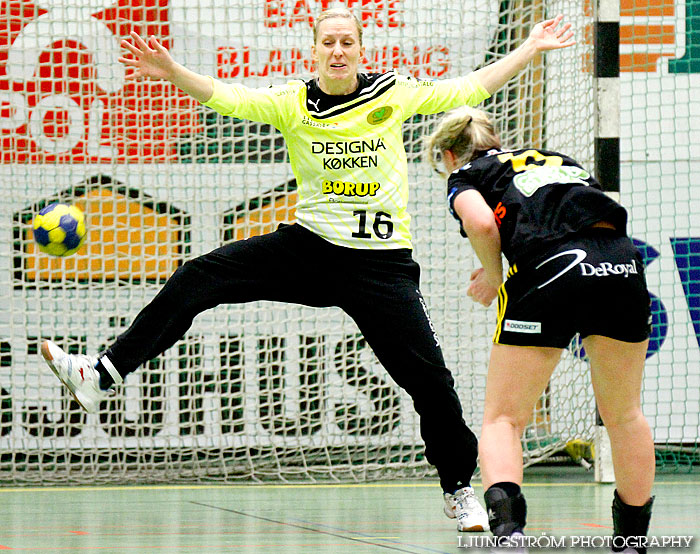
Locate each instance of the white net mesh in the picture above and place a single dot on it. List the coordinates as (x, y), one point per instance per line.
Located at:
(261, 391)
(660, 154)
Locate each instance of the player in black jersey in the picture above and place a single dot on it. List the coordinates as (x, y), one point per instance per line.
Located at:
(572, 270)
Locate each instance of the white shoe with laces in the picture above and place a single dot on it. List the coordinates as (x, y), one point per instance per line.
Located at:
(78, 373)
(464, 506)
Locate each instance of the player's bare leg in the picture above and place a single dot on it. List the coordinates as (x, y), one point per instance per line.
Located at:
(616, 373)
(516, 378)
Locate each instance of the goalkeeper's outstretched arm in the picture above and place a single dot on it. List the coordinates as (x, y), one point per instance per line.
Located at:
(546, 35)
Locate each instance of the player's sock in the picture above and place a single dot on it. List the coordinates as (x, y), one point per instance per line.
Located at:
(506, 508)
(630, 521)
(106, 380)
(109, 376)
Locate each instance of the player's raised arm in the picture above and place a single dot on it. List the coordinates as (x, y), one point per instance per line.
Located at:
(152, 59)
(546, 35)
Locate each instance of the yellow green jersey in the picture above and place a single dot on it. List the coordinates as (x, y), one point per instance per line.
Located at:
(347, 152)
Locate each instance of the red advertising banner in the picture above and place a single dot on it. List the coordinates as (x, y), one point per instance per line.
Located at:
(64, 94)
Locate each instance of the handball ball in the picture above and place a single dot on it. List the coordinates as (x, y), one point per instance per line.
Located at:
(60, 229)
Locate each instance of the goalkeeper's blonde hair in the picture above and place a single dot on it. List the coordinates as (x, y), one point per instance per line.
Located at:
(337, 12)
(466, 132)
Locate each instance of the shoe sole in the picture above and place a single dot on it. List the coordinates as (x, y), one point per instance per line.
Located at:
(46, 354)
(474, 529)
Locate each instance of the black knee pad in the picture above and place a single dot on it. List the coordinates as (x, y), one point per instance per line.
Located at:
(507, 514)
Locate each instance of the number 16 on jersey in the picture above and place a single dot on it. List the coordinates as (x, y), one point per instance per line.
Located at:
(382, 225)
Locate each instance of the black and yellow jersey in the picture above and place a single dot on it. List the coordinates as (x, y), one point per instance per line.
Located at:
(538, 198)
(347, 151)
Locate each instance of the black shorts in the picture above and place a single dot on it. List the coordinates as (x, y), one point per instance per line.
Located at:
(593, 285)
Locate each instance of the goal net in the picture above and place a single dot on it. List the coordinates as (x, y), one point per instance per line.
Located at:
(258, 391)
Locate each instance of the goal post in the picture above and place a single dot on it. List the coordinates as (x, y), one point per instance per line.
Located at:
(262, 391)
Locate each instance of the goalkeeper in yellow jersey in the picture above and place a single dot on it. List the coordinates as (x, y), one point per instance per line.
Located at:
(343, 131)
(573, 269)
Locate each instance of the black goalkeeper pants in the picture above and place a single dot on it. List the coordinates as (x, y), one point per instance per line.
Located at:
(379, 289)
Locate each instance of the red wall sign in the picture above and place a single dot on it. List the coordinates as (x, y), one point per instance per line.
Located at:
(64, 96)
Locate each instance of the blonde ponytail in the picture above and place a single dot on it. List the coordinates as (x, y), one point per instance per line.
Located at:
(465, 132)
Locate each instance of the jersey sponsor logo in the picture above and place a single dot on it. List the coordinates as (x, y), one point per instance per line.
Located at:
(345, 188)
(413, 83)
(515, 326)
(318, 124)
(360, 162)
(337, 148)
(352, 154)
(533, 179)
(604, 269)
(380, 115)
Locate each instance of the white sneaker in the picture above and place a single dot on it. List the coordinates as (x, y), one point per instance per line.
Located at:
(78, 373)
(464, 506)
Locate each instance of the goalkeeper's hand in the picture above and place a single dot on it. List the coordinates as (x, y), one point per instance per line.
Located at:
(152, 59)
(547, 35)
(149, 58)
